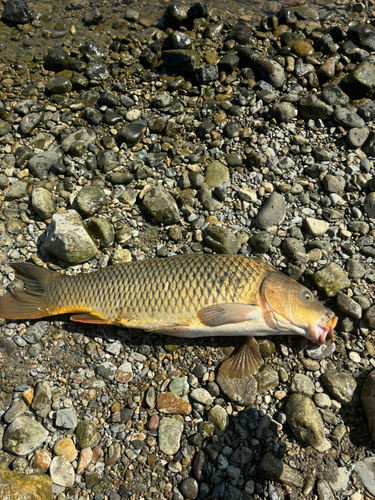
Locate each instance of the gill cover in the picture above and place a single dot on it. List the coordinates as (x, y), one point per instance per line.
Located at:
(290, 306)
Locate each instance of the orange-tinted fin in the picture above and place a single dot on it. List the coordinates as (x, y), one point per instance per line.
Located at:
(222, 314)
(88, 318)
(246, 361)
(27, 304)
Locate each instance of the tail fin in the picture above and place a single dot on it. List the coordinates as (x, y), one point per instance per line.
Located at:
(27, 304)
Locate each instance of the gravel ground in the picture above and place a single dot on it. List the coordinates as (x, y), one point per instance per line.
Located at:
(122, 139)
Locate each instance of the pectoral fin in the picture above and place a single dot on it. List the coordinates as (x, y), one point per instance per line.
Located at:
(88, 318)
(246, 361)
(222, 314)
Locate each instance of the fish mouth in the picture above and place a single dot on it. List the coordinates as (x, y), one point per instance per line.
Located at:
(324, 329)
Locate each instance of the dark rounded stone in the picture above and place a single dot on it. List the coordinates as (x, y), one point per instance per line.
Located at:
(96, 70)
(120, 177)
(57, 168)
(77, 65)
(232, 129)
(17, 12)
(228, 63)
(175, 14)
(93, 116)
(132, 132)
(57, 59)
(58, 85)
(93, 16)
(111, 118)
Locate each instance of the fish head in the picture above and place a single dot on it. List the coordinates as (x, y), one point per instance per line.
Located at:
(288, 306)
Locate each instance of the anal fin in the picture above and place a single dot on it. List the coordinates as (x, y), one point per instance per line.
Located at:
(246, 361)
(89, 318)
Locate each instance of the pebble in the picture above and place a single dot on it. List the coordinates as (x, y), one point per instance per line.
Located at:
(62, 472)
(67, 448)
(170, 432)
(24, 435)
(68, 239)
(304, 419)
(341, 386)
(272, 212)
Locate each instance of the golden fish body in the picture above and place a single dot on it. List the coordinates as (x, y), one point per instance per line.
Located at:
(187, 296)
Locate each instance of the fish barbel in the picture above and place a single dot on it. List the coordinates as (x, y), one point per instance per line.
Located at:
(195, 295)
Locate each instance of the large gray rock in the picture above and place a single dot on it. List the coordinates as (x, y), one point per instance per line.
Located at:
(265, 68)
(40, 163)
(341, 386)
(43, 203)
(161, 205)
(25, 486)
(272, 212)
(170, 432)
(221, 240)
(304, 419)
(24, 435)
(85, 134)
(68, 238)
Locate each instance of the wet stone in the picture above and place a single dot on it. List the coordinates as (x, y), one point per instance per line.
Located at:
(368, 401)
(274, 469)
(66, 418)
(67, 448)
(17, 12)
(221, 240)
(86, 434)
(68, 238)
(29, 122)
(219, 417)
(131, 133)
(267, 378)
(169, 434)
(57, 59)
(189, 488)
(160, 204)
(15, 485)
(332, 279)
(272, 212)
(24, 435)
(340, 385)
(304, 420)
(35, 332)
(90, 200)
(43, 203)
(107, 370)
(62, 472)
(302, 384)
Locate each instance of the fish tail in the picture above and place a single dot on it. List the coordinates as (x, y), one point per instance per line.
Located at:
(29, 303)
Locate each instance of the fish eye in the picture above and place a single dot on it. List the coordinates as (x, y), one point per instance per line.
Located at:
(307, 295)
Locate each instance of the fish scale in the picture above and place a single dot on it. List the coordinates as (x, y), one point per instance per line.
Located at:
(151, 289)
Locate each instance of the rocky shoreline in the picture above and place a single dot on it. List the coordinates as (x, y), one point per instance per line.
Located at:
(123, 139)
